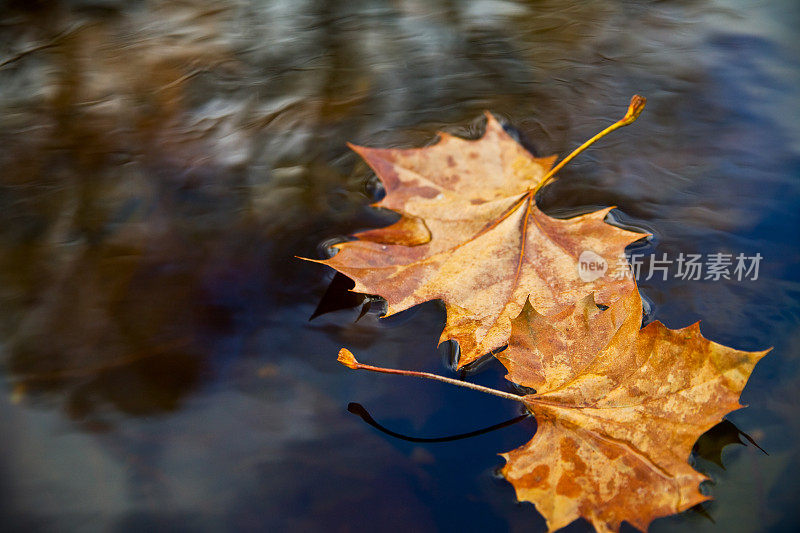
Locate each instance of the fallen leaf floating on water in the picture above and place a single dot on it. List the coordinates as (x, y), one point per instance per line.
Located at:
(618, 411)
(618, 407)
(472, 236)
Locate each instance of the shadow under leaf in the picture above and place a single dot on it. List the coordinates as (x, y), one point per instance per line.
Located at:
(710, 444)
(358, 409)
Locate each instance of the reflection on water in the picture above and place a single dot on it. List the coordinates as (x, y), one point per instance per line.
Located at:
(359, 410)
(163, 161)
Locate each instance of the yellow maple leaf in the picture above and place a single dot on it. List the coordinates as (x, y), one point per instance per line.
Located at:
(618, 410)
(472, 236)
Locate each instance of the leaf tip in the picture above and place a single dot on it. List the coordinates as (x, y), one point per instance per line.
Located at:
(353, 146)
(362, 151)
(527, 307)
(321, 261)
(347, 358)
(490, 118)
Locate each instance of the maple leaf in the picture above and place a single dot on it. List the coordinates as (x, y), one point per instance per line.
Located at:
(618, 410)
(471, 235)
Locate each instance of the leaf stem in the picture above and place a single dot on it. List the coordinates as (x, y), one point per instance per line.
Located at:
(348, 359)
(634, 110)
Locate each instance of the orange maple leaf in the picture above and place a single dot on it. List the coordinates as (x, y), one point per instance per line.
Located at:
(618, 410)
(472, 236)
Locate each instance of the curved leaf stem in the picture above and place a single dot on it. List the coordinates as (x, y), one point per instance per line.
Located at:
(348, 360)
(634, 110)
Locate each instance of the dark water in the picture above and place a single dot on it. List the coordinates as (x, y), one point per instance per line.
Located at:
(162, 162)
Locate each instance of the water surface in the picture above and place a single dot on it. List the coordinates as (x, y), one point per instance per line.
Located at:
(163, 162)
